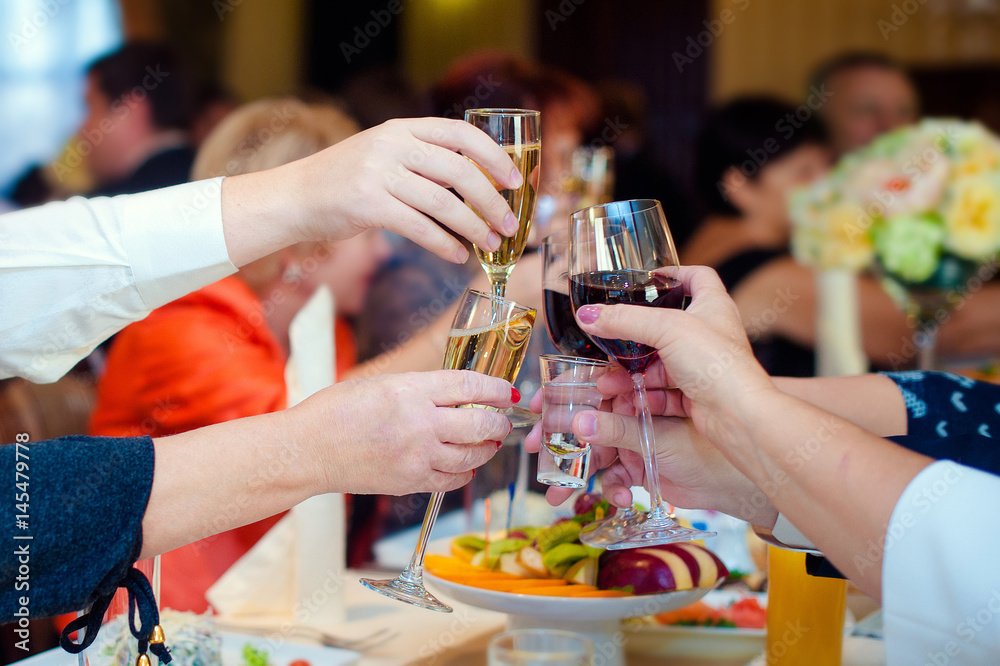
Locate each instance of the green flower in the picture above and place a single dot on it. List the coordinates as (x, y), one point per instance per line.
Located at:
(909, 246)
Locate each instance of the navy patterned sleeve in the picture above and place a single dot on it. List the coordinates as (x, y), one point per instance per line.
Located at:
(952, 417)
(76, 526)
(940, 404)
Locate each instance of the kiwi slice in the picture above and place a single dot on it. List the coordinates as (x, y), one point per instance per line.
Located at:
(564, 532)
(560, 558)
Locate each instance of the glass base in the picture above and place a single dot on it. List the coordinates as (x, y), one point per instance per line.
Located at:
(642, 536)
(602, 533)
(521, 417)
(410, 593)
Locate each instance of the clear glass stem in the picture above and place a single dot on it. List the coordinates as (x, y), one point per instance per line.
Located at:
(414, 571)
(657, 512)
(925, 339)
(498, 284)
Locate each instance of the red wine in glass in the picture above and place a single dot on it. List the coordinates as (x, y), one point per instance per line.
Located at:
(563, 330)
(635, 287)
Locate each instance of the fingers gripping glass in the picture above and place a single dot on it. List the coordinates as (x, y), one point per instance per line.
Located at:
(489, 335)
(615, 250)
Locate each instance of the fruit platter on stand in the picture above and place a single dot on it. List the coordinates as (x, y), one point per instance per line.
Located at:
(544, 577)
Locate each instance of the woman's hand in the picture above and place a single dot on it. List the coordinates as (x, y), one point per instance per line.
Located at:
(399, 434)
(694, 473)
(703, 352)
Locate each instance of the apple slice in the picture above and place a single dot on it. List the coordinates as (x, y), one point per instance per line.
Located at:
(531, 559)
(509, 564)
(583, 572)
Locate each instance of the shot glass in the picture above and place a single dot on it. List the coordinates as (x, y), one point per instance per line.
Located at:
(569, 386)
(540, 647)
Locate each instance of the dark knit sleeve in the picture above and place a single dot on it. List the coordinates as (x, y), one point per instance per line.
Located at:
(79, 529)
(941, 405)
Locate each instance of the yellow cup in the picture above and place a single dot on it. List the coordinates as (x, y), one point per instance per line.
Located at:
(805, 614)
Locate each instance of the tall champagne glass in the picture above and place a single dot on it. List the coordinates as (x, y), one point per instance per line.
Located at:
(517, 131)
(489, 335)
(615, 250)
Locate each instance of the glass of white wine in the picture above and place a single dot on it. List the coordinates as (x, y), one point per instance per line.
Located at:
(518, 132)
(489, 335)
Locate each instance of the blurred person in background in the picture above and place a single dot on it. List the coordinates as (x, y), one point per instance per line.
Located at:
(746, 169)
(212, 104)
(219, 353)
(140, 105)
(861, 95)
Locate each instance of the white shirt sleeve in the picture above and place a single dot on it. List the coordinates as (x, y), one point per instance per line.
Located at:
(940, 573)
(73, 273)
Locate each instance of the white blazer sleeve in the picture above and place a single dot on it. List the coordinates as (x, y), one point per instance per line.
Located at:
(941, 569)
(73, 273)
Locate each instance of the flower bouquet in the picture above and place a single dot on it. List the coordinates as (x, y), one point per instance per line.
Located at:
(920, 206)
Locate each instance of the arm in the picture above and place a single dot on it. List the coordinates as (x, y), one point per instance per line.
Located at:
(836, 482)
(122, 257)
(98, 504)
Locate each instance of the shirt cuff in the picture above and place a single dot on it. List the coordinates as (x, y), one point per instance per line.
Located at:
(175, 240)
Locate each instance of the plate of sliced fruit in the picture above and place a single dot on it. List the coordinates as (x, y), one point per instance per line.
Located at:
(546, 572)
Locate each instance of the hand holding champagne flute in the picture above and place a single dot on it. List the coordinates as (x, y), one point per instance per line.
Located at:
(489, 335)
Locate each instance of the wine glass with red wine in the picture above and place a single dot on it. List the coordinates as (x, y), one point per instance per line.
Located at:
(615, 251)
(560, 323)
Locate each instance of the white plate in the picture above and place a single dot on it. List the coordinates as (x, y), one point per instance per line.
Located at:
(561, 608)
(232, 654)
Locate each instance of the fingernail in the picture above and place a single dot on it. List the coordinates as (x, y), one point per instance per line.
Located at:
(473, 474)
(463, 255)
(510, 224)
(516, 179)
(493, 241)
(588, 313)
(515, 395)
(588, 425)
(621, 498)
(499, 444)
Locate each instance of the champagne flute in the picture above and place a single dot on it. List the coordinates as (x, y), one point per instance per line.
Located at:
(569, 339)
(518, 132)
(489, 335)
(615, 250)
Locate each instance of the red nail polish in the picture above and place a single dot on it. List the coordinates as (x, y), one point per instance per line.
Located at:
(515, 395)
(499, 444)
(473, 474)
(588, 314)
